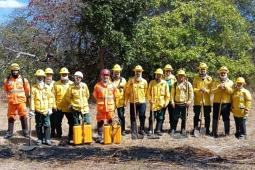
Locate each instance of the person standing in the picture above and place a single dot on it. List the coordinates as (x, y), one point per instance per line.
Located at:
(17, 89)
(50, 82)
(158, 95)
(41, 107)
(222, 90)
(105, 95)
(202, 84)
(120, 83)
(136, 94)
(170, 79)
(241, 105)
(60, 88)
(181, 98)
(77, 97)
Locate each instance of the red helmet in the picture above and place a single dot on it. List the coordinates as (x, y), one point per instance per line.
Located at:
(105, 72)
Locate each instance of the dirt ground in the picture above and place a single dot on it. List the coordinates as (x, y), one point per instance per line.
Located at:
(168, 152)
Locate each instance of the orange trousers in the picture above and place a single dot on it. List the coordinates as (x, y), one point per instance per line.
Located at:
(104, 115)
(20, 108)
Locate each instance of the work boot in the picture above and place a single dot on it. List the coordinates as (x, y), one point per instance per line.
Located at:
(183, 128)
(9, 132)
(133, 130)
(150, 128)
(24, 126)
(214, 126)
(195, 124)
(100, 131)
(207, 125)
(161, 128)
(158, 127)
(123, 130)
(59, 132)
(47, 136)
(227, 127)
(39, 135)
(174, 125)
(70, 134)
(142, 132)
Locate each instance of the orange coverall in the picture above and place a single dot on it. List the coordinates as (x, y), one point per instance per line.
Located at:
(105, 97)
(16, 91)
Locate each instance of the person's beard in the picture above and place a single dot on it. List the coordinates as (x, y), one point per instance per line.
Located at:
(15, 75)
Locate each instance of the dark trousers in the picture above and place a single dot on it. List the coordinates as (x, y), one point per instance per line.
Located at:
(225, 111)
(42, 120)
(58, 122)
(140, 111)
(170, 111)
(179, 112)
(76, 120)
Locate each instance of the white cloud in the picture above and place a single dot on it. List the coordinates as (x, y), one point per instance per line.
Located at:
(11, 4)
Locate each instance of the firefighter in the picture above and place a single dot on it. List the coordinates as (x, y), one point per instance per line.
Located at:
(158, 95)
(41, 107)
(77, 97)
(181, 98)
(241, 104)
(202, 84)
(50, 82)
(222, 89)
(170, 79)
(120, 83)
(136, 94)
(105, 95)
(60, 88)
(17, 89)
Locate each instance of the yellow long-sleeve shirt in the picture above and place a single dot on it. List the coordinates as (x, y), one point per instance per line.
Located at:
(140, 89)
(161, 94)
(222, 95)
(180, 94)
(199, 83)
(120, 84)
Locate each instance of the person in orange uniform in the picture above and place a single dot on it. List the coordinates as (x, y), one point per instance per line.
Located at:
(17, 88)
(105, 94)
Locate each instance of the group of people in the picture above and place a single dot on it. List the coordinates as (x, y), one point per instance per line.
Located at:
(50, 101)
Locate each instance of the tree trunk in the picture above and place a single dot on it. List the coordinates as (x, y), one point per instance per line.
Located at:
(101, 61)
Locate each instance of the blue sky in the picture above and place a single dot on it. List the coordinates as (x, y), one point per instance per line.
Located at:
(7, 6)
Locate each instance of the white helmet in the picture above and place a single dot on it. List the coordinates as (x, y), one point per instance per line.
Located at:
(78, 73)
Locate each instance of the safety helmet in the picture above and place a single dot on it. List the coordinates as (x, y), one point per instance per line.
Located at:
(78, 73)
(159, 71)
(138, 68)
(202, 66)
(15, 66)
(116, 67)
(40, 72)
(168, 67)
(223, 69)
(240, 80)
(105, 72)
(181, 72)
(63, 71)
(48, 70)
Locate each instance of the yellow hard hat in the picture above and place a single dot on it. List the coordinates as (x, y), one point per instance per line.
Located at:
(223, 69)
(39, 73)
(159, 71)
(15, 66)
(181, 72)
(202, 65)
(116, 67)
(48, 70)
(240, 80)
(168, 67)
(138, 68)
(63, 71)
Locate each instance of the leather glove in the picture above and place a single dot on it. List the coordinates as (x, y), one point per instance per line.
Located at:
(50, 111)
(31, 114)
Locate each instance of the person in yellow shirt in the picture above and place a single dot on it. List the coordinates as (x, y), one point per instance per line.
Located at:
(41, 107)
(136, 94)
(158, 95)
(77, 96)
(222, 90)
(170, 79)
(181, 98)
(60, 88)
(120, 83)
(240, 106)
(50, 82)
(202, 84)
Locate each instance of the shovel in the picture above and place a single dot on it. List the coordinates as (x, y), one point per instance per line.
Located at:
(187, 109)
(29, 147)
(153, 119)
(201, 130)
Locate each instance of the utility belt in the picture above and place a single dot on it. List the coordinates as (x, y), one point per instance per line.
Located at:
(181, 105)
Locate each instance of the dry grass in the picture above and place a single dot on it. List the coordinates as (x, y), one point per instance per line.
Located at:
(168, 152)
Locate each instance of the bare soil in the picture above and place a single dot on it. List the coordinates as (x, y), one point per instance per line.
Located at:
(168, 152)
